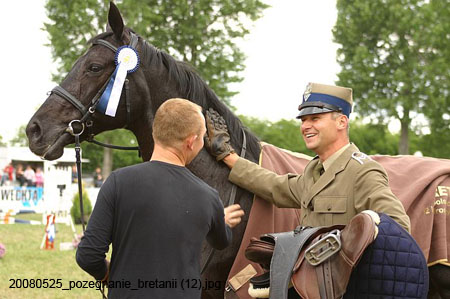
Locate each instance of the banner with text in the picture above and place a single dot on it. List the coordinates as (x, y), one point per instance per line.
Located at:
(20, 198)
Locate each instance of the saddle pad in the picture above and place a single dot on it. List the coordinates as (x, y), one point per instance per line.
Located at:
(393, 266)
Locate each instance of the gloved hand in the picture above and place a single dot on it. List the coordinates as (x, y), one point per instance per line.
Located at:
(217, 139)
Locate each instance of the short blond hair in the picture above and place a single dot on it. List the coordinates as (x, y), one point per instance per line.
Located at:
(175, 120)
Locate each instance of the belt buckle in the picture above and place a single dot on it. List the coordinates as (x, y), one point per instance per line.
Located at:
(324, 248)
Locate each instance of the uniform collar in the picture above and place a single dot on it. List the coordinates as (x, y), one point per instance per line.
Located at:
(338, 165)
(327, 163)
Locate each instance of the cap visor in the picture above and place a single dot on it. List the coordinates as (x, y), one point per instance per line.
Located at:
(313, 110)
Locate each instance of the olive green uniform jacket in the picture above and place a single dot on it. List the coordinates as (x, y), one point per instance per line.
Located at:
(353, 183)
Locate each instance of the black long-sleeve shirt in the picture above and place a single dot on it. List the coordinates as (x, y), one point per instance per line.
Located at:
(156, 215)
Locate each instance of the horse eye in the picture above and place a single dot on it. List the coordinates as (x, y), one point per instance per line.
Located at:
(95, 68)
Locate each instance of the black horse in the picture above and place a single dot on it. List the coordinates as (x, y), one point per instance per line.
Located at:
(158, 78)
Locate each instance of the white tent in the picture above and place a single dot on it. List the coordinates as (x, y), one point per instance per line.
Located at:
(57, 193)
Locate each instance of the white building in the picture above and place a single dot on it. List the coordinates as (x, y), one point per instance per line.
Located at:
(58, 191)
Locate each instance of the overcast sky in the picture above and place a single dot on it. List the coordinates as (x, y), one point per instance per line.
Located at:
(288, 47)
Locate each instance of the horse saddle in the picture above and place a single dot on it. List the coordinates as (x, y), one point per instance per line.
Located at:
(317, 261)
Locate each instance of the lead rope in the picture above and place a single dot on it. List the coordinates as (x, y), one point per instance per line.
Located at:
(230, 201)
(80, 191)
(80, 187)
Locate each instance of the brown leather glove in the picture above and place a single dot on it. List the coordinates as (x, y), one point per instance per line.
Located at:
(217, 139)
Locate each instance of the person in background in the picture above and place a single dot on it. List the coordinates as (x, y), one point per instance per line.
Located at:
(39, 176)
(98, 178)
(30, 176)
(8, 173)
(20, 175)
(74, 174)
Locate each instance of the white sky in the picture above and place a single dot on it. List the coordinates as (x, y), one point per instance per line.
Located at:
(288, 47)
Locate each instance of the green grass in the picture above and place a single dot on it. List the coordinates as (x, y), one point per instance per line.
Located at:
(24, 260)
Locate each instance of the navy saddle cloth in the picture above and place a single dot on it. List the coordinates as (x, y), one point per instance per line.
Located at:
(393, 266)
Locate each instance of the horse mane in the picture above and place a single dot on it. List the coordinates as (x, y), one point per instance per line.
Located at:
(194, 88)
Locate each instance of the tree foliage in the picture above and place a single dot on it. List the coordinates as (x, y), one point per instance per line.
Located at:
(75, 210)
(437, 39)
(283, 133)
(2, 143)
(200, 32)
(120, 158)
(370, 139)
(390, 52)
(21, 137)
(373, 139)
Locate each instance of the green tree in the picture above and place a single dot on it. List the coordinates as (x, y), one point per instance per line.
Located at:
(21, 137)
(387, 48)
(200, 32)
(370, 138)
(436, 143)
(118, 158)
(2, 143)
(75, 210)
(373, 139)
(437, 40)
(283, 133)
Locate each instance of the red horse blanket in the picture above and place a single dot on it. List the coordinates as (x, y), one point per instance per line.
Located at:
(421, 184)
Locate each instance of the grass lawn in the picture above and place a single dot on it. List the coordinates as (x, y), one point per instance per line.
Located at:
(24, 260)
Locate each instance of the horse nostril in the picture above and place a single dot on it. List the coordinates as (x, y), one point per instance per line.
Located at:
(34, 131)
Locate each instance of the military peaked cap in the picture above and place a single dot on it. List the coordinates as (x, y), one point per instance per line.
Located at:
(321, 98)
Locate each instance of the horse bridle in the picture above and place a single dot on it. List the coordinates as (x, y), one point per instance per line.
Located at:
(86, 121)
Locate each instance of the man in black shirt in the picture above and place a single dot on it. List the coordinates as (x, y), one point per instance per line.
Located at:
(156, 215)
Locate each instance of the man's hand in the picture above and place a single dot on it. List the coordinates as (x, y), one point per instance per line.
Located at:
(217, 140)
(233, 215)
(106, 278)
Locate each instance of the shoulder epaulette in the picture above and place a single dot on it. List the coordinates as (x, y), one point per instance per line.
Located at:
(360, 157)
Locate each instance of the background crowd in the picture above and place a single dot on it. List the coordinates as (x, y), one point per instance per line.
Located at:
(18, 176)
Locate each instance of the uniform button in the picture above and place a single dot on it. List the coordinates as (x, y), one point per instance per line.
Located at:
(329, 208)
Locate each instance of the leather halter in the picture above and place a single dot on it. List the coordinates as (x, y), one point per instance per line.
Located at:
(86, 120)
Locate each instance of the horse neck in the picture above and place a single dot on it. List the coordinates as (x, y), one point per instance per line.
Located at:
(216, 173)
(166, 78)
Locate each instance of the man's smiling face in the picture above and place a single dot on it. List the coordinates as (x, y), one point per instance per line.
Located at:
(319, 131)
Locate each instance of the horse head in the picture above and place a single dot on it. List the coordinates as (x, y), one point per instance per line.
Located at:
(74, 101)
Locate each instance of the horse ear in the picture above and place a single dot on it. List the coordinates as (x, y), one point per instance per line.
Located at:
(115, 20)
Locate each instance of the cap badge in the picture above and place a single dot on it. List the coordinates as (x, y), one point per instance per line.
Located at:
(307, 92)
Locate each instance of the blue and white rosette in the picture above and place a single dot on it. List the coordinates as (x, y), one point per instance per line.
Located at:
(127, 61)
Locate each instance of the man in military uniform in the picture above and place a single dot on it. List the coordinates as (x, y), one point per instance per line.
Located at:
(336, 185)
